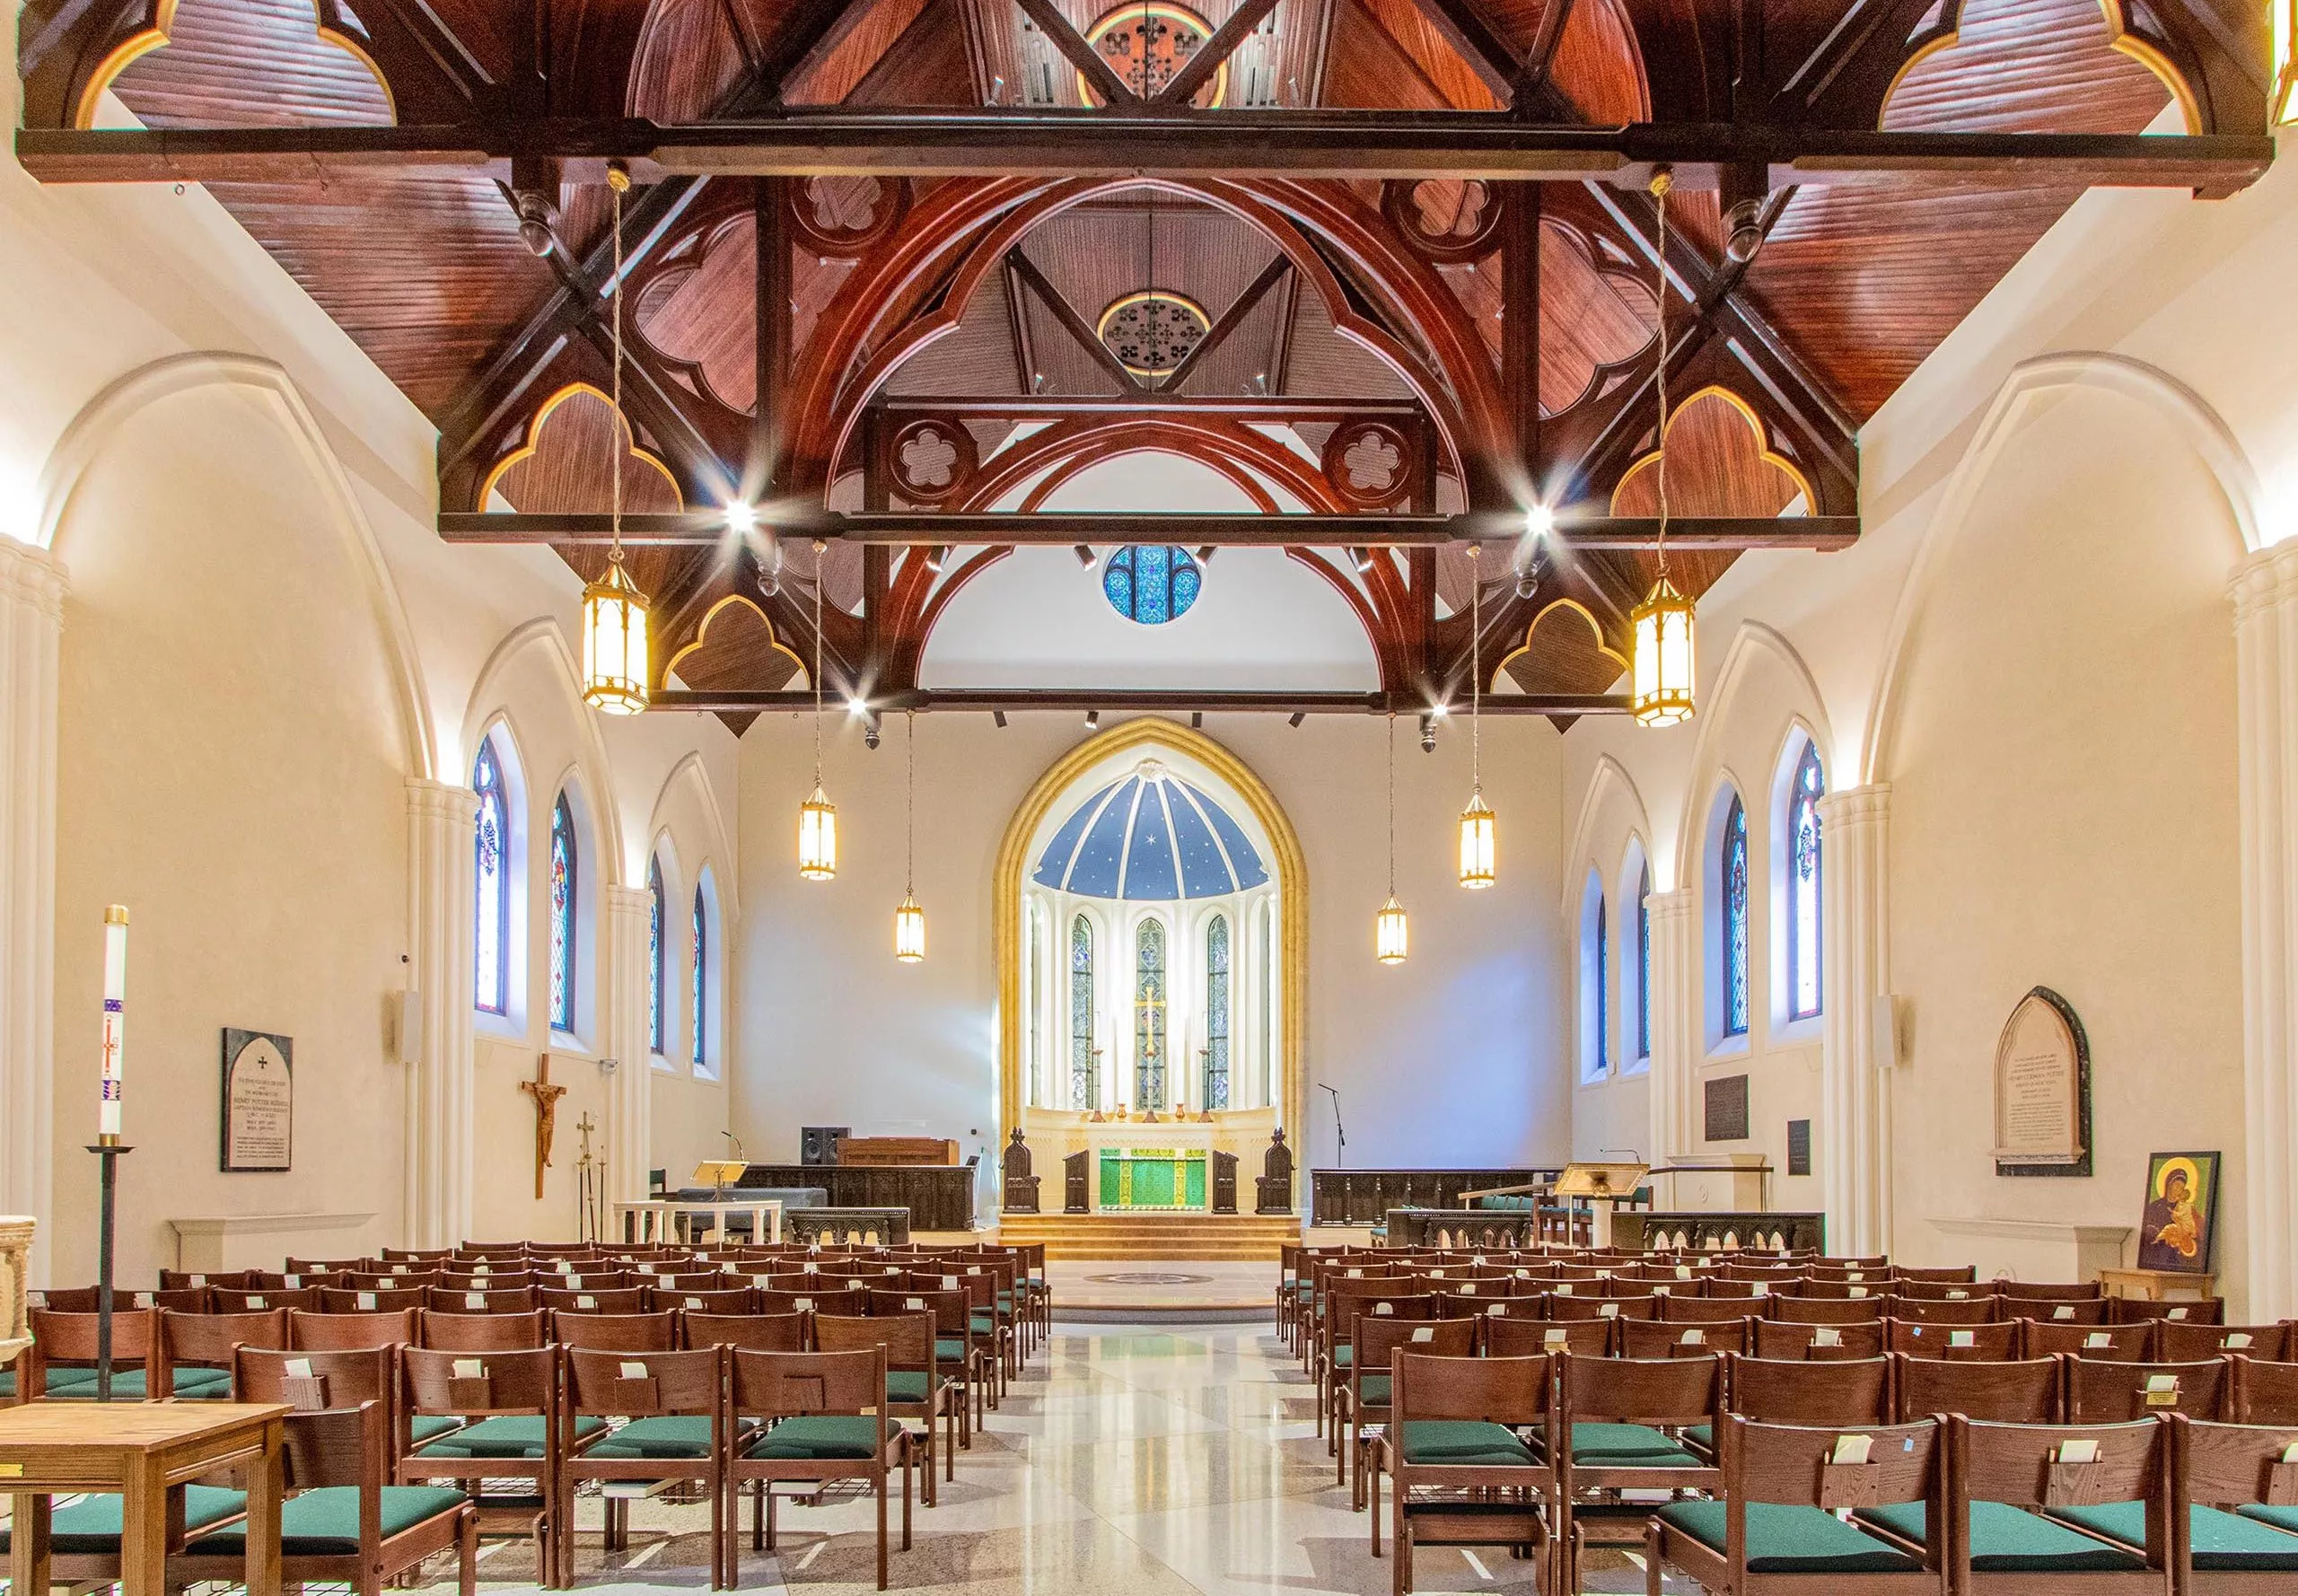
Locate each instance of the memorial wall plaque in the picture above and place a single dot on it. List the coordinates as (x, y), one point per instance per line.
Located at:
(258, 1115)
(1799, 1146)
(2042, 1090)
(1724, 1103)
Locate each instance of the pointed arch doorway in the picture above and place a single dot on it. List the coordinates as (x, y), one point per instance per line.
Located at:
(1150, 938)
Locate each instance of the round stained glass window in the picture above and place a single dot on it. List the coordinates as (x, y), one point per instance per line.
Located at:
(1152, 583)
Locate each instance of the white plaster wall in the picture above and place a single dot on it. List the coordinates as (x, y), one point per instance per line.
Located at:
(1450, 1058)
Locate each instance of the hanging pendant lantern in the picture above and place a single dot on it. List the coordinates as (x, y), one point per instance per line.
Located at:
(1478, 827)
(1477, 842)
(909, 918)
(1391, 936)
(1664, 663)
(614, 612)
(909, 931)
(818, 816)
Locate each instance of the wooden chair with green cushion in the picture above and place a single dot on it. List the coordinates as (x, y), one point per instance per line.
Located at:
(262, 1299)
(2016, 1497)
(1618, 1425)
(398, 1277)
(2261, 1391)
(2025, 1391)
(915, 1389)
(982, 1322)
(1962, 1314)
(61, 1364)
(1798, 1309)
(310, 1331)
(485, 1332)
(1940, 1291)
(2105, 1393)
(617, 1332)
(734, 1300)
(2182, 1343)
(1775, 1527)
(1364, 1394)
(2045, 1290)
(1792, 1391)
(1706, 1310)
(1566, 1307)
(1872, 1288)
(961, 1351)
(505, 1406)
(587, 1300)
(824, 1418)
(1342, 1304)
(1778, 1340)
(342, 1523)
(2098, 1343)
(481, 1299)
(746, 1332)
(1464, 1445)
(2240, 1534)
(193, 1280)
(84, 1532)
(362, 1299)
(675, 1427)
(342, 1379)
(1653, 1338)
(2192, 1311)
(205, 1342)
(1505, 1336)
(1948, 1275)
(1958, 1343)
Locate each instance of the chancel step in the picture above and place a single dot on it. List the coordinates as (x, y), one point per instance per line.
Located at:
(1175, 1237)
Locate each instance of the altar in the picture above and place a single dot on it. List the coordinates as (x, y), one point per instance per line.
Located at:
(1167, 1180)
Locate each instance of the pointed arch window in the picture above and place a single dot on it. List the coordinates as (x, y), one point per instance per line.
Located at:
(1804, 989)
(491, 877)
(1084, 1074)
(654, 918)
(1643, 964)
(1149, 1016)
(1734, 904)
(700, 1005)
(1215, 1094)
(564, 864)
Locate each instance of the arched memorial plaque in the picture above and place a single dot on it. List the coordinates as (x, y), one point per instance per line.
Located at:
(258, 1103)
(2042, 1090)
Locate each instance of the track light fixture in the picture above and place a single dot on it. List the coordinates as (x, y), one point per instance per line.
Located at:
(936, 558)
(1205, 553)
(741, 517)
(1428, 732)
(1361, 558)
(1296, 717)
(1084, 552)
(1092, 720)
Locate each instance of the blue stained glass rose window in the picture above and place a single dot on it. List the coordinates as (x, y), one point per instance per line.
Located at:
(1152, 583)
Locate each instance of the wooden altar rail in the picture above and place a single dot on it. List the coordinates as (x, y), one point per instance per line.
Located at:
(1364, 1196)
(1636, 1231)
(937, 1196)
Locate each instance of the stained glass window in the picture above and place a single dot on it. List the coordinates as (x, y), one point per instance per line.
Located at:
(1149, 1016)
(1603, 988)
(699, 1008)
(1803, 886)
(1084, 1074)
(654, 955)
(1216, 1013)
(1152, 583)
(1644, 963)
(1735, 918)
(563, 866)
(491, 906)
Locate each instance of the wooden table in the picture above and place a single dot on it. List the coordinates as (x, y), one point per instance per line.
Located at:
(654, 1221)
(2158, 1286)
(147, 1452)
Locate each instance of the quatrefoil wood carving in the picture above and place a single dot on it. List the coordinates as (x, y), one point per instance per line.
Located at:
(843, 217)
(1447, 220)
(1370, 464)
(931, 460)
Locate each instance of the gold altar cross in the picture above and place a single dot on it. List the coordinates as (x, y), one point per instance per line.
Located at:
(546, 1098)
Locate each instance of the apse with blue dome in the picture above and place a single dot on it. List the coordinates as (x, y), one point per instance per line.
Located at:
(1150, 836)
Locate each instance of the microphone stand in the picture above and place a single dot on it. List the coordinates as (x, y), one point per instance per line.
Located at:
(1340, 1152)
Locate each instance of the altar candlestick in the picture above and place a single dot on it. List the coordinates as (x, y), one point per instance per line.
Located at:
(115, 1023)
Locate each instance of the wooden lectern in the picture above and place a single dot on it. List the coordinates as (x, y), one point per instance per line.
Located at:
(719, 1174)
(1604, 1186)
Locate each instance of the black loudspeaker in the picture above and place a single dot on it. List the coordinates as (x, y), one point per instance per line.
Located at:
(818, 1144)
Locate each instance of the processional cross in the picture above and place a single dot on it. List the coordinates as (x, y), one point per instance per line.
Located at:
(546, 1098)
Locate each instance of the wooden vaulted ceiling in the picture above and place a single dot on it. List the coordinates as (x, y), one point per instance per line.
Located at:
(917, 307)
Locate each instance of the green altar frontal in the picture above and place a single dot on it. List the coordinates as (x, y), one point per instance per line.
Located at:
(1164, 1178)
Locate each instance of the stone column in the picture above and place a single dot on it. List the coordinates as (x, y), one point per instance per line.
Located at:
(1676, 1038)
(32, 624)
(629, 1143)
(441, 837)
(2265, 589)
(1854, 1140)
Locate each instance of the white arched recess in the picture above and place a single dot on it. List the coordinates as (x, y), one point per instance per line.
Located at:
(34, 587)
(686, 1104)
(1612, 842)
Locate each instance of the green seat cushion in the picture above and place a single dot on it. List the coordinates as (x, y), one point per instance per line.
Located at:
(2222, 1540)
(7, 1382)
(1373, 1389)
(2006, 1540)
(824, 1435)
(1461, 1443)
(679, 1436)
(983, 1324)
(1343, 1356)
(90, 1527)
(2281, 1518)
(430, 1426)
(1786, 1539)
(510, 1435)
(1701, 1435)
(908, 1385)
(325, 1522)
(1628, 1446)
(190, 1383)
(949, 1349)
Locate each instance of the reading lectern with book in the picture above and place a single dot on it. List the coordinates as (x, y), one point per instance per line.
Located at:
(720, 1173)
(1604, 1187)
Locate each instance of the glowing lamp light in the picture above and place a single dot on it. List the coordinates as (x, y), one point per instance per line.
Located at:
(1540, 521)
(1391, 936)
(818, 837)
(1477, 842)
(909, 931)
(614, 644)
(741, 517)
(1662, 672)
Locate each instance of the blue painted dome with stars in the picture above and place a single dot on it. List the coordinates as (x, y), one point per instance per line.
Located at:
(1150, 835)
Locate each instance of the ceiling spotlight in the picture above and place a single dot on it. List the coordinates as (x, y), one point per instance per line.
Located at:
(741, 517)
(769, 581)
(1540, 521)
(1296, 717)
(1084, 552)
(1361, 558)
(857, 706)
(999, 716)
(1428, 732)
(1528, 583)
(1092, 720)
(936, 558)
(1196, 720)
(1440, 710)
(870, 735)
(1205, 553)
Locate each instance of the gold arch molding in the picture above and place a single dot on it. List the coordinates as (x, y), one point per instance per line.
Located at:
(145, 40)
(1293, 904)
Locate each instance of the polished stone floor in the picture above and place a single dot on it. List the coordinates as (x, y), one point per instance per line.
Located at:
(1130, 1461)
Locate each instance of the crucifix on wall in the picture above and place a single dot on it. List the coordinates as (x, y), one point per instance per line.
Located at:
(546, 1098)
